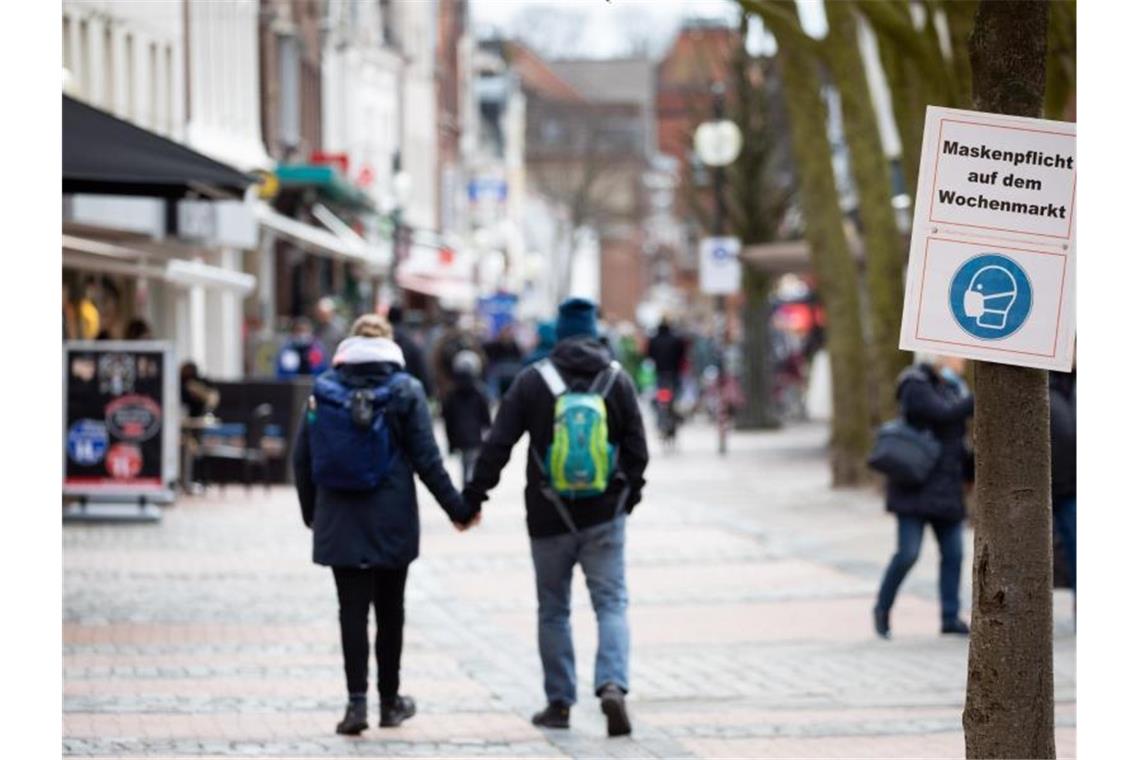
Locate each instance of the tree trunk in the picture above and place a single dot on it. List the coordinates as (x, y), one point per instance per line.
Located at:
(903, 82)
(757, 371)
(1009, 692)
(959, 22)
(831, 256)
(873, 182)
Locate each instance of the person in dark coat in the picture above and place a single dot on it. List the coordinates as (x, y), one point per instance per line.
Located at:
(453, 340)
(414, 360)
(1063, 441)
(932, 396)
(546, 341)
(667, 350)
(369, 538)
(466, 411)
(302, 353)
(589, 531)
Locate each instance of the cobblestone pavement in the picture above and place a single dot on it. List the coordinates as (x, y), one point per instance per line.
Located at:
(211, 633)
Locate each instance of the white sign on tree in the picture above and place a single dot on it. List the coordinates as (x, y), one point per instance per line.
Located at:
(991, 274)
(720, 265)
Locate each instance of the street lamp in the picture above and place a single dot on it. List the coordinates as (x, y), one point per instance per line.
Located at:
(717, 144)
(401, 193)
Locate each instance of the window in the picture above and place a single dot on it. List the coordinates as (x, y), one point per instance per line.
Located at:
(168, 91)
(84, 62)
(289, 100)
(129, 70)
(67, 57)
(109, 71)
(152, 80)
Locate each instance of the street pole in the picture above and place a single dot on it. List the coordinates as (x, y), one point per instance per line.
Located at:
(720, 218)
(397, 254)
(1009, 688)
(399, 232)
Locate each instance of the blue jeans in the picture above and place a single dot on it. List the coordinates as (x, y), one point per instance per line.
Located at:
(1065, 523)
(600, 550)
(949, 534)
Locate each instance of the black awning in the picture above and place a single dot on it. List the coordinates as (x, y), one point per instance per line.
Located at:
(106, 155)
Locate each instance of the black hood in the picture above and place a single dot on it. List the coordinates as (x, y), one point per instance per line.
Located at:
(580, 356)
(922, 373)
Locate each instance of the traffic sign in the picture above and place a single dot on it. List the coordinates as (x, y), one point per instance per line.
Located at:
(991, 273)
(720, 265)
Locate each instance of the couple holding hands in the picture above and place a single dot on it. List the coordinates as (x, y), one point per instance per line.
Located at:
(368, 431)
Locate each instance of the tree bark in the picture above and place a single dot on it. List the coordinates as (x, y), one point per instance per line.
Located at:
(756, 375)
(1009, 692)
(873, 183)
(831, 256)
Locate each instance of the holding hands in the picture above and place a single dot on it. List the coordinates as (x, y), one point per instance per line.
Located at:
(471, 522)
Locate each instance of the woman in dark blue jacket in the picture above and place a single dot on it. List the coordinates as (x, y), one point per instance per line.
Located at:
(370, 537)
(933, 397)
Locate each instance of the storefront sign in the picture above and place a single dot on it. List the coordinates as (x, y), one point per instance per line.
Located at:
(120, 418)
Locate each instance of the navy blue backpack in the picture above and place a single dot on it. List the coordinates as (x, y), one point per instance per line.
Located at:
(349, 436)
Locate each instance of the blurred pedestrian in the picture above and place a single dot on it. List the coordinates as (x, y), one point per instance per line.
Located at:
(330, 329)
(1063, 439)
(932, 396)
(366, 431)
(138, 329)
(667, 350)
(456, 337)
(413, 352)
(504, 360)
(198, 395)
(585, 473)
(546, 341)
(466, 411)
(302, 353)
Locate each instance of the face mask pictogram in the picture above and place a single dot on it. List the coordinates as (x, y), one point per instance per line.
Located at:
(990, 296)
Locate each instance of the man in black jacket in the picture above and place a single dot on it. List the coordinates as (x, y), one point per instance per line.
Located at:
(588, 531)
(413, 355)
(1063, 440)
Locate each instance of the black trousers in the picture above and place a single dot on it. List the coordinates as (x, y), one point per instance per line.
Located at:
(358, 589)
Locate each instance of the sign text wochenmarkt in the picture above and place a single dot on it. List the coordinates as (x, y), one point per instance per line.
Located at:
(991, 274)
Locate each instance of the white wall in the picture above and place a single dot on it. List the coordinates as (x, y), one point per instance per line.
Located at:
(224, 82)
(360, 112)
(416, 31)
(126, 57)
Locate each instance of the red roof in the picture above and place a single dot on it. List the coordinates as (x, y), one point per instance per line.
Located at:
(537, 76)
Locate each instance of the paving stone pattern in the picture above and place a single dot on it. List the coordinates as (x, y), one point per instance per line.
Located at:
(212, 634)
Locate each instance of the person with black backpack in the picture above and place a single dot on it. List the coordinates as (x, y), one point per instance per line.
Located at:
(932, 398)
(585, 472)
(366, 431)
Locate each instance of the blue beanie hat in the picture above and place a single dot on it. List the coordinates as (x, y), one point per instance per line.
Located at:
(577, 317)
(546, 336)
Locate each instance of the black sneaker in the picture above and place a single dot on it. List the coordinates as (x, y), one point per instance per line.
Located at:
(955, 626)
(396, 712)
(355, 719)
(556, 715)
(882, 623)
(613, 705)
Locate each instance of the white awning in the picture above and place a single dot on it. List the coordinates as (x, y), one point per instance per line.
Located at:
(347, 246)
(452, 293)
(101, 256)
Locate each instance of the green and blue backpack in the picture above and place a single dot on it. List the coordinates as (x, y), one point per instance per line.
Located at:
(580, 460)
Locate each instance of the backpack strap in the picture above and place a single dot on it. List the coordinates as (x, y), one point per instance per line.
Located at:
(604, 382)
(552, 495)
(551, 377)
